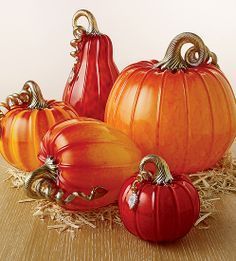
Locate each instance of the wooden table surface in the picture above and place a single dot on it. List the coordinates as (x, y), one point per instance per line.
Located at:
(24, 237)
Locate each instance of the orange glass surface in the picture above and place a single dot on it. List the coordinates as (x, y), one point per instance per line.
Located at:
(187, 117)
(22, 130)
(88, 154)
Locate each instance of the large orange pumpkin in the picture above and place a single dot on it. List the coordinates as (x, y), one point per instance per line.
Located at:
(24, 123)
(181, 109)
(85, 164)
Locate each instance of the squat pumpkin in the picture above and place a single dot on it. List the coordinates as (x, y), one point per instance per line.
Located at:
(23, 123)
(85, 164)
(157, 207)
(181, 109)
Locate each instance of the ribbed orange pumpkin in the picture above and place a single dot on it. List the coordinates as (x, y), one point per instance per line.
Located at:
(182, 109)
(85, 162)
(26, 121)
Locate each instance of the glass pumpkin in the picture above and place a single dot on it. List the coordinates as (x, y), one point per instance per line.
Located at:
(157, 207)
(85, 164)
(24, 120)
(182, 109)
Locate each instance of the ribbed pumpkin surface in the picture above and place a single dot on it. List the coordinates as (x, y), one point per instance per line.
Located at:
(89, 153)
(22, 130)
(163, 212)
(92, 77)
(187, 117)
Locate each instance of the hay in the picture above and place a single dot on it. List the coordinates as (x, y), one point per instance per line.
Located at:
(16, 176)
(62, 220)
(210, 184)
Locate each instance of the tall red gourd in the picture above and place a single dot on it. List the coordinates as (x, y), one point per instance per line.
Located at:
(94, 72)
(157, 207)
(181, 109)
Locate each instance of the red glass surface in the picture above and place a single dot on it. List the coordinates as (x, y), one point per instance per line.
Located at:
(92, 77)
(163, 212)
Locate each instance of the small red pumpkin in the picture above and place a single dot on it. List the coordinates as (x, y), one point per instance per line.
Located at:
(181, 109)
(85, 164)
(157, 207)
(94, 72)
(23, 123)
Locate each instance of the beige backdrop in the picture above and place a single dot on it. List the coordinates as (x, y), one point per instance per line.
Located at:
(35, 35)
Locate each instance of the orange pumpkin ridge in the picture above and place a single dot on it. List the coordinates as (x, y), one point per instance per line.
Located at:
(182, 110)
(86, 154)
(25, 123)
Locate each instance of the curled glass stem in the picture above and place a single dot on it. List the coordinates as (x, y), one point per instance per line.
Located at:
(79, 30)
(161, 176)
(30, 95)
(42, 184)
(36, 100)
(196, 55)
(92, 23)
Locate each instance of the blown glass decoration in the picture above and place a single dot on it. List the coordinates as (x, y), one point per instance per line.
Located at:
(85, 162)
(156, 206)
(182, 109)
(94, 72)
(24, 119)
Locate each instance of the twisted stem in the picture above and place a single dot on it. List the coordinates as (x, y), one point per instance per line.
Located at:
(45, 179)
(194, 56)
(79, 30)
(36, 98)
(30, 95)
(92, 23)
(162, 174)
(41, 183)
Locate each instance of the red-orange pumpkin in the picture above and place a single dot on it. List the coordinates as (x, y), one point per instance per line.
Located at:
(85, 164)
(26, 120)
(182, 110)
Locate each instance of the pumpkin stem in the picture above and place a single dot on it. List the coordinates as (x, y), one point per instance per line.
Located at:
(30, 94)
(162, 175)
(194, 56)
(79, 30)
(41, 183)
(92, 24)
(36, 100)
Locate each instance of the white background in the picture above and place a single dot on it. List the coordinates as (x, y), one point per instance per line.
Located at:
(35, 35)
